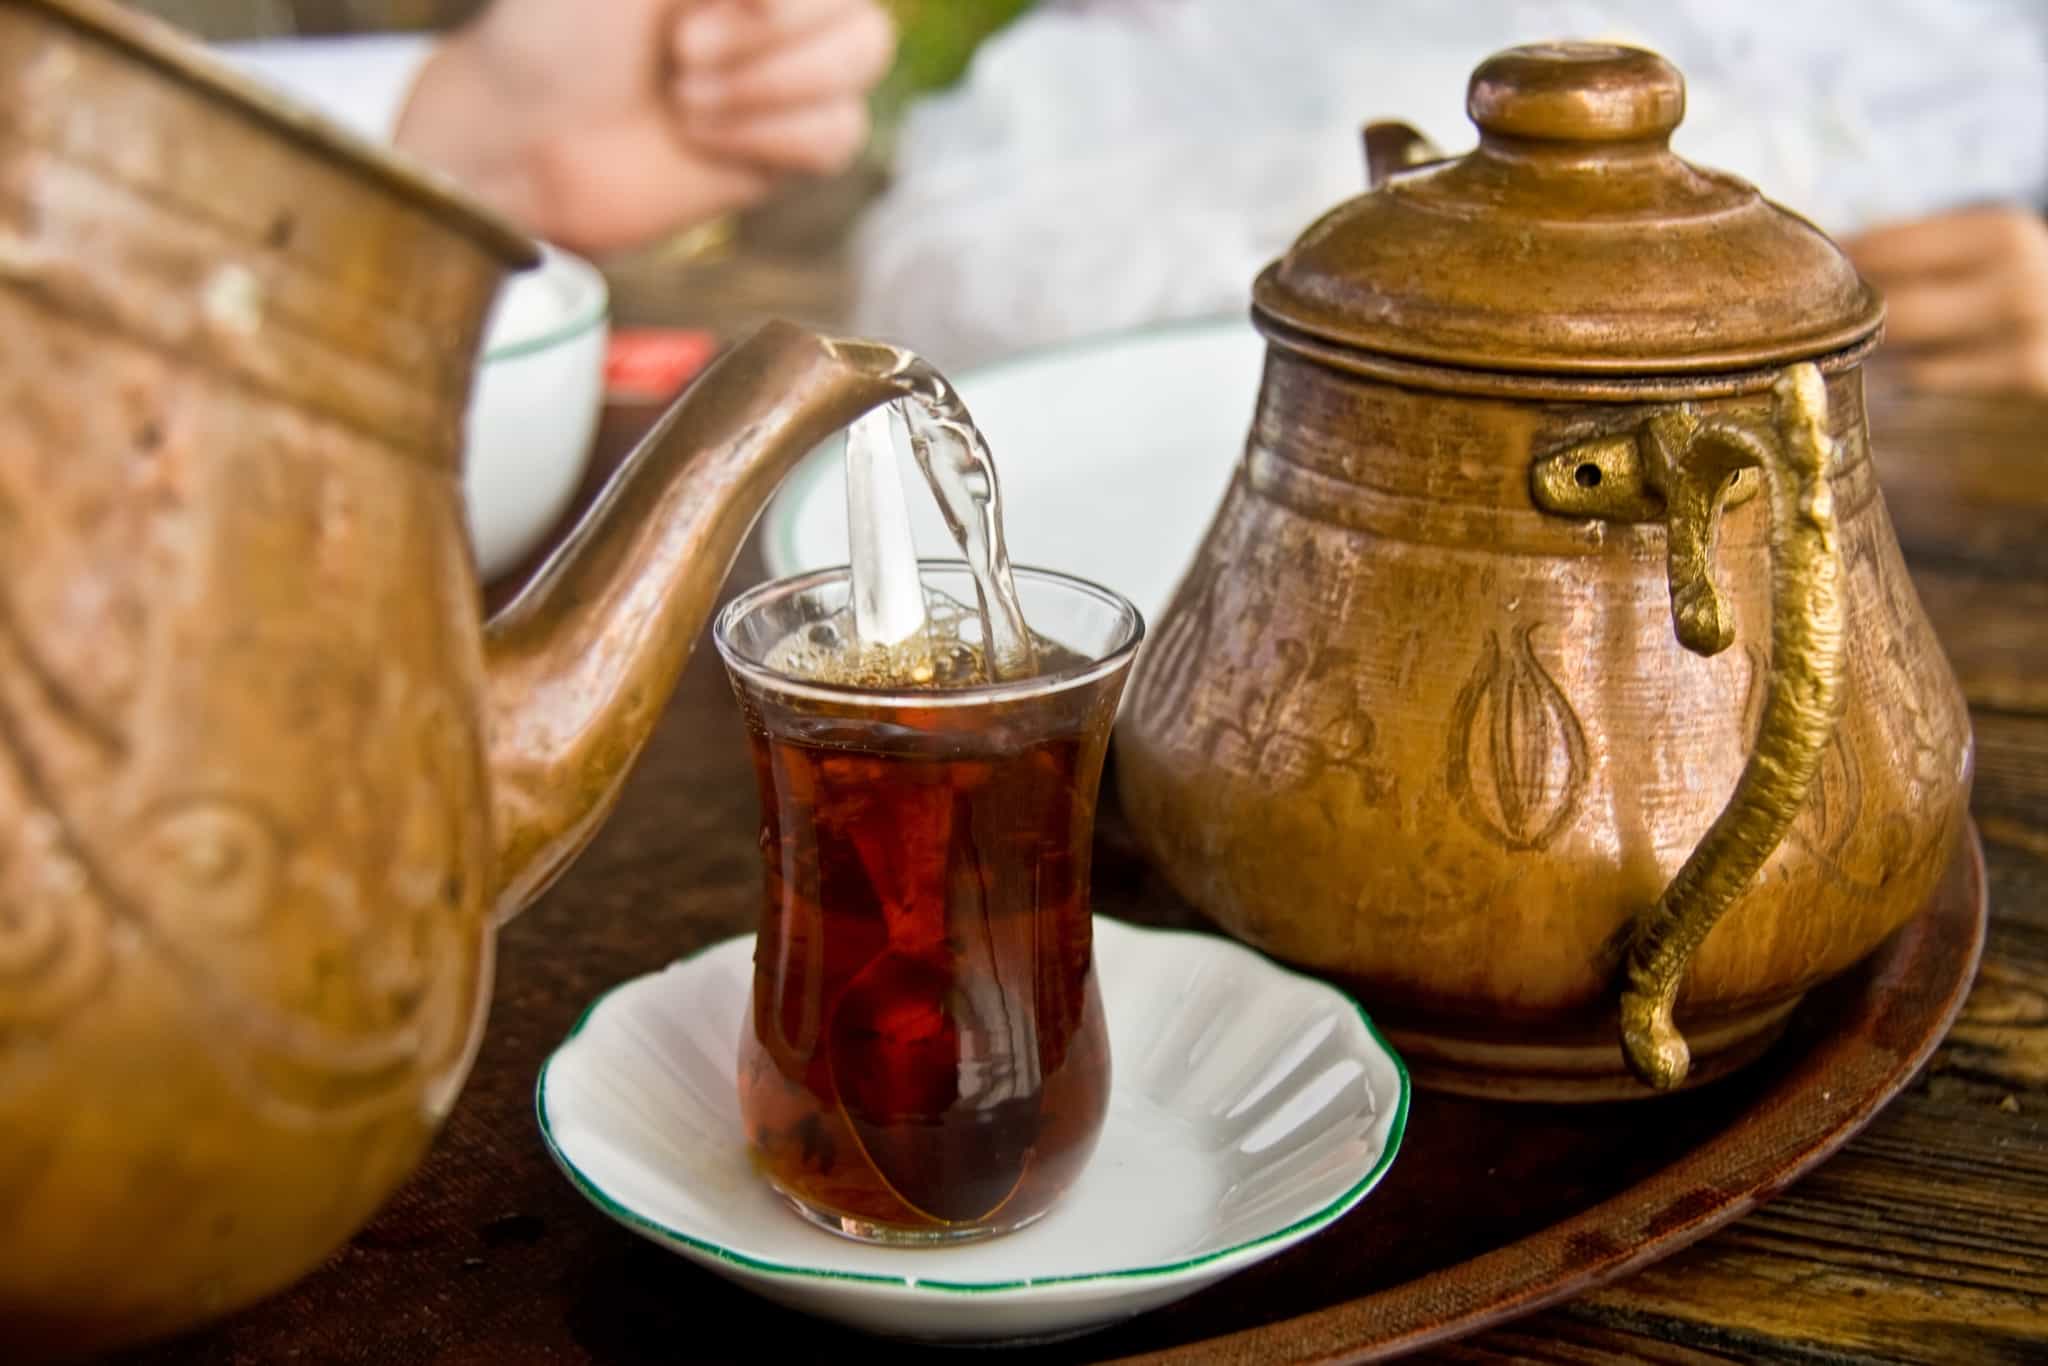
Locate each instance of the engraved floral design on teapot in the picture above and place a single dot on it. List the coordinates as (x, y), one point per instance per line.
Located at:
(192, 883)
(53, 937)
(1310, 723)
(1516, 759)
(390, 893)
(53, 947)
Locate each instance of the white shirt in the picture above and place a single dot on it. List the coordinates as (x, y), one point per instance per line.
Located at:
(1111, 163)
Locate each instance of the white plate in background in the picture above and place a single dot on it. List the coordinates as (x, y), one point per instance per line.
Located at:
(1112, 454)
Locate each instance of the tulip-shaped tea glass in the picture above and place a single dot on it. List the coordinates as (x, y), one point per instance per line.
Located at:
(926, 1060)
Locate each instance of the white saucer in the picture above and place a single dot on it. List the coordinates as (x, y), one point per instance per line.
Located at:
(1251, 1107)
(1113, 455)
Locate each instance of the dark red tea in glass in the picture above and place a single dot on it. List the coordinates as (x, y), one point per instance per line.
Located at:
(927, 1059)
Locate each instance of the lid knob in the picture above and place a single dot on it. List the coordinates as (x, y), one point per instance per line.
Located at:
(1576, 92)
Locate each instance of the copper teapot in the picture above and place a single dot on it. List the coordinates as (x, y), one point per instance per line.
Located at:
(1550, 672)
(266, 782)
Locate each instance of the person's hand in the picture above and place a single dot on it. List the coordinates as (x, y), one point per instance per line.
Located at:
(603, 124)
(1966, 297)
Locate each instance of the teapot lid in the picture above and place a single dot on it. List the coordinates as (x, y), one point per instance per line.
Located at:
(1571, 241)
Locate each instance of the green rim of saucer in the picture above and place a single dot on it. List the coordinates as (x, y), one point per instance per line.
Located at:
(1308, 1224)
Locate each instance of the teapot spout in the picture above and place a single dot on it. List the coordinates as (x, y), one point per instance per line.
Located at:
(581, 663)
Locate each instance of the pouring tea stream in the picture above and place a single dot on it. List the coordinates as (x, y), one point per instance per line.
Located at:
(888, 598)
(893, 1129)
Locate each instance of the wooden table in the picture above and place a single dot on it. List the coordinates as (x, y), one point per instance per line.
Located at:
(1925, 1240)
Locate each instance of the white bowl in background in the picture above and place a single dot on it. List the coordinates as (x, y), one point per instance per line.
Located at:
(533, 406)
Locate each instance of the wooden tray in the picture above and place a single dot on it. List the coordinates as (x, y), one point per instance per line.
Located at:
(1492, 1211)
(1495, 1210)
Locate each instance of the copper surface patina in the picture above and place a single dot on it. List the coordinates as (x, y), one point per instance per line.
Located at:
(266, 779)
(1551, 663)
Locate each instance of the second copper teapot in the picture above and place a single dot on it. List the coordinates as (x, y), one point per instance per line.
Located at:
(1551, 666)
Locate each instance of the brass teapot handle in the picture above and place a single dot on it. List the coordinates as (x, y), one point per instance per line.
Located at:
(1391, 146)
(1682, 468)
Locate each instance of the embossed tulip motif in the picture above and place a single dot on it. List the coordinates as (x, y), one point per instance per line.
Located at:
(53, 945)
(46, 961)
(390, 891)
(196, 878)
(1516, 763)
(1833, 804)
